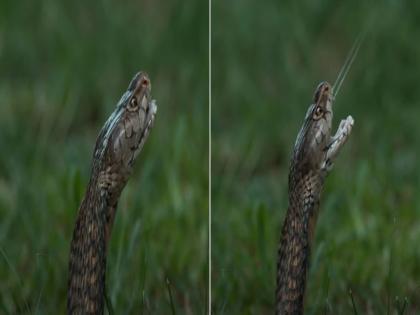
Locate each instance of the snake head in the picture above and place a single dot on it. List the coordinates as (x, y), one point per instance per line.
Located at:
(138, 116)
(126, 130)
(315, 147)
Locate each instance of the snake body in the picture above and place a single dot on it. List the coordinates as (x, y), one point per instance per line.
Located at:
(312, 159)
(117, 146)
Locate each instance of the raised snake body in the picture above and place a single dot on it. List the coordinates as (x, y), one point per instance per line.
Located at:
(117, 146)
(313, 156)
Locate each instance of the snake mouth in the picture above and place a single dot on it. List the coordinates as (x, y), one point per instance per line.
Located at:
(147, 104)
(151, 113)
(149, 107)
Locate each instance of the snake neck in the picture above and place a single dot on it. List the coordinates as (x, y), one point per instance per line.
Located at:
(87, 262)
(293, 255)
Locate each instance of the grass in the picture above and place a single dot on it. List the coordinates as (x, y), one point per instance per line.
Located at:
(267, 61)
(64, 66)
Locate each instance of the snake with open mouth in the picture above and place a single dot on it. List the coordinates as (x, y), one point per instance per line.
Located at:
(117, 146)
(313, 156)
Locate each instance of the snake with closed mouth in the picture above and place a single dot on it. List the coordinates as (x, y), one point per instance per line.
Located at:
(117, 146)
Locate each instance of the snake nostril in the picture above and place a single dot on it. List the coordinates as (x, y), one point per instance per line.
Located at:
(145, 82)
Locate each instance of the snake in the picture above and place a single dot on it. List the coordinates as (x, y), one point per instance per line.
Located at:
(117, 146)
(313, 157)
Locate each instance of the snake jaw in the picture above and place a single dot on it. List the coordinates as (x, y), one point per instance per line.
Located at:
(336, 143)
(147, 104)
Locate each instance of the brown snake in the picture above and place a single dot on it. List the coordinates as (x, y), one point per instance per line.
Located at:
(117, 146)
(313, 156)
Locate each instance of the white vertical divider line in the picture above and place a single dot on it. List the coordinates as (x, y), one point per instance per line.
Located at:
(209, 234)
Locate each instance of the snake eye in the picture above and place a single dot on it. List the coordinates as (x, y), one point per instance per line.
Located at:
(133, 102)
(318, 112)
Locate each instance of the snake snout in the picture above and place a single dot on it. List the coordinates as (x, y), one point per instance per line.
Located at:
(145, 82)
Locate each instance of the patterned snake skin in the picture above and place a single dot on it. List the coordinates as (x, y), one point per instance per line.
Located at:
(313, 156)
(118, 144)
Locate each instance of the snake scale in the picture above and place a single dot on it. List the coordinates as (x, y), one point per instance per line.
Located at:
(313, 156)
(117, 146)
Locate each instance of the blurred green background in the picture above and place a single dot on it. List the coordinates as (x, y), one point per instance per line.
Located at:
(63, 67)
(268, 59)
